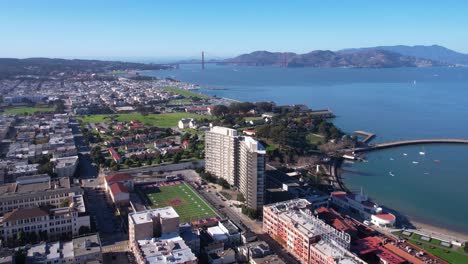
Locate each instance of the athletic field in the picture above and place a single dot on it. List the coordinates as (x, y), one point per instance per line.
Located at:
(187, 203)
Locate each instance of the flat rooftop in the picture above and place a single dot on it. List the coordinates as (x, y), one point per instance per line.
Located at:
(169, 248)
(32, 184)
(146, 216)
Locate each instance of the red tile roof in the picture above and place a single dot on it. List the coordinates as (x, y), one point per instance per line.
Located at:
(25, 213)
(118, 188)
(375, 246)
(118, 177)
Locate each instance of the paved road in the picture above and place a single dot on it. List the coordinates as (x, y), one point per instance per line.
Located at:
(102, 213)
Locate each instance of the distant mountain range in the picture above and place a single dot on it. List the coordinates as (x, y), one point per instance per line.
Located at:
(434, 52)
(374, 57)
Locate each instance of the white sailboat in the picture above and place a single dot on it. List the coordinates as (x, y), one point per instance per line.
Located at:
(423, 152)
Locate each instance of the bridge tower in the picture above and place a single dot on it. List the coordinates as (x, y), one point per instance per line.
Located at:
(203, 60)
(285, 60)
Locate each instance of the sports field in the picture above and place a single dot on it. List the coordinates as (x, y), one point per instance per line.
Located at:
(187, 203)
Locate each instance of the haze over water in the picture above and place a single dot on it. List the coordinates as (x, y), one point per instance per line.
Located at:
(403, 103)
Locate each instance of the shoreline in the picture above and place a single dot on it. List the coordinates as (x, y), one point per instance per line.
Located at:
(437, 231)
(418, 225)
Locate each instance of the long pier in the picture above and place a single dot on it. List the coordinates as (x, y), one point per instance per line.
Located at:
(411, 142)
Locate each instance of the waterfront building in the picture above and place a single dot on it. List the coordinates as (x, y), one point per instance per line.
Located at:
(360, 204)
(239, 160)
(80, 250)
(37, 190)
(306, 237)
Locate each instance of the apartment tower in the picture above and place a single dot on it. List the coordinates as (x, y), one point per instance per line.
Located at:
(239, 160)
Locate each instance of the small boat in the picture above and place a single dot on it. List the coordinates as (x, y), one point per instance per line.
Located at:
(415, 162)
(392, 159)
(404, 154)
(391, 174)
(426, 173)
(422, 153)
(437, 161)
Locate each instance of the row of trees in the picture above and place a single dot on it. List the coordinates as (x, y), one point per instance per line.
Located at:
(241, 108)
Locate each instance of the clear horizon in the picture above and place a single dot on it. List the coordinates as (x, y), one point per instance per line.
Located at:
(182, 29)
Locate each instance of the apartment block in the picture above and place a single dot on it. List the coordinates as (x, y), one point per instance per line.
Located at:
(306, 237)
(37, 190)
(55, 223)
(152, 223)
(239, 160)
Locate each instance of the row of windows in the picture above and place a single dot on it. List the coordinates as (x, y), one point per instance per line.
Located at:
(47, 197)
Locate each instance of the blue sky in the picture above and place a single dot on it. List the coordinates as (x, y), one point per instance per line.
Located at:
(176, 29)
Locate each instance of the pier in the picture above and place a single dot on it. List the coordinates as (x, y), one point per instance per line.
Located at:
(367, 136)
(411, 142)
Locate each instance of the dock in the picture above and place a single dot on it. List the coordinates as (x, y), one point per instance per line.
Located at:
(323, 113)
(367, 136)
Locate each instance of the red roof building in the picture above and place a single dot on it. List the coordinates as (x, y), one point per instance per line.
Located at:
(119, 193)
(123, 178)
(115, 156)
(372, 249)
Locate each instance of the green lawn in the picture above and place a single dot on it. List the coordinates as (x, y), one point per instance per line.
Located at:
(180, 102)
(158, 120)
(451, 255)
(314, 139)
(29, 110)
(250, 118)
(185, 93)
(187, 203)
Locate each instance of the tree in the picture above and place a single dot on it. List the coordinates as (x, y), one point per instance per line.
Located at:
(220, 110)
(21, 237)
(223, 183)
(177, 157)
(250, 212)
(264, 106)
(84, 230)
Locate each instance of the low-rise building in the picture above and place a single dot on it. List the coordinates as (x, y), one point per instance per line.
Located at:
(54, 223)
(119, 193)
(124, 178)
(360, 204)
(38, 190)
(167, 249)
(152, 223)
(80, 250)
(226, 256)
(65, 166)
(187, 123)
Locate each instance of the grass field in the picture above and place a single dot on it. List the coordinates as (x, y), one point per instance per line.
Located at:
(315, 139)
(185, 93)
(187, 203)
(449, 254)
(29, 110)
(159, 120)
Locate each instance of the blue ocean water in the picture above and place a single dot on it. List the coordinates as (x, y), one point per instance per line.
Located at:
(403, 103)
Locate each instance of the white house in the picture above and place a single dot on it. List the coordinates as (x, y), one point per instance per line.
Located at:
(188, 123)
